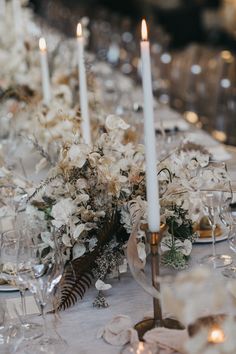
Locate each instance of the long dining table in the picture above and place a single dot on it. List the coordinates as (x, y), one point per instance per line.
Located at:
(79, 325)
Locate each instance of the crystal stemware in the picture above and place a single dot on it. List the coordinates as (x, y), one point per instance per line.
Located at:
(216, 193)
(10, 333)
(212, 201)
(10, 270)
(45, 272)
(229, 218)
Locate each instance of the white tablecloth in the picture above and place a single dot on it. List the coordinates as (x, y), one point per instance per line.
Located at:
(79, 324)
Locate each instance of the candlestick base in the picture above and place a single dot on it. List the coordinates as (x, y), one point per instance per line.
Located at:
(146, 325)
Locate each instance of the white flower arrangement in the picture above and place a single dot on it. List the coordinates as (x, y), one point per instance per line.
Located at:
(89, 185)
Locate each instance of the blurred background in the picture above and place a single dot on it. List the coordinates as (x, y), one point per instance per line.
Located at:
(193, 50)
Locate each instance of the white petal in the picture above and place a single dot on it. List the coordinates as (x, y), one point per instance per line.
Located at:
(77, 154)
(92, 243)
(74, 152)
(100, 285)
(116, 339)
(62, 211)
(141, 251)
(57, 223)
(46, 238)
(78, 230)
(66, 240)
(119, 324)
(115, 122)
(81, 183)
(187, 247)
(78, 250)
(82, 198)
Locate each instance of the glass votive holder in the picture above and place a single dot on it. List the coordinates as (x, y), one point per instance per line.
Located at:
(213, 326)
(140, 348)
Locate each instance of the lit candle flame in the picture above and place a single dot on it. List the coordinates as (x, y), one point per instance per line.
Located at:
(144, 32)
(42, 44)
(216, 335)
(79, 30)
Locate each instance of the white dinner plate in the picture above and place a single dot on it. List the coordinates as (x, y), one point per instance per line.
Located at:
(7, 288)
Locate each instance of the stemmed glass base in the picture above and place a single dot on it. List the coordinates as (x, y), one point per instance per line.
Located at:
(45, 344)
(230, 272)
(31, 331)
(217, 261)
(25, 331)
(9, 335)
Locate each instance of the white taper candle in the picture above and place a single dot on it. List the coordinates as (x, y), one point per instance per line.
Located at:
(149, 136)
(45, 71)
(86, 131)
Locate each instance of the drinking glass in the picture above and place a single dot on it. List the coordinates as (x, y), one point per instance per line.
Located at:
(10, 270)
(45, 272)
(216, 194)
(229, 217)
(211, 201)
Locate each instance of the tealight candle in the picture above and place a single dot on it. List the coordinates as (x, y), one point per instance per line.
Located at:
(149, 136)
(216, 335)
(45, 71)
(86, 133)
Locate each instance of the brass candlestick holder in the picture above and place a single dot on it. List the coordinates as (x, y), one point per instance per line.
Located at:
(157, 320)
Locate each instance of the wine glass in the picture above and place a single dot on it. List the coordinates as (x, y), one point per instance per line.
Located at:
(13, 202)
(10, 269)
(216, 194)
(10, 333)
(229, 218)
(213, 201)
(45, 272)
